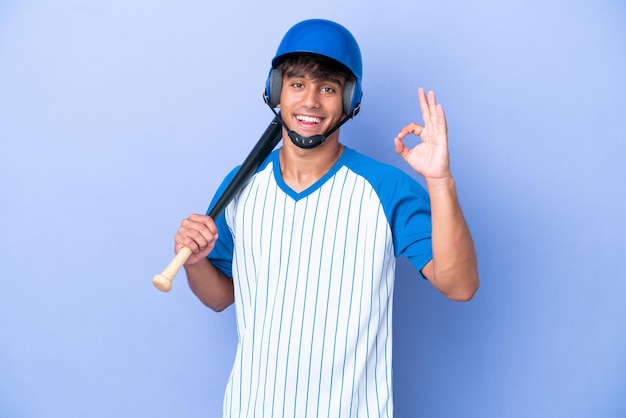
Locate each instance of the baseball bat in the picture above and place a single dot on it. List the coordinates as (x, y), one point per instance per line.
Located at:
(259, 153)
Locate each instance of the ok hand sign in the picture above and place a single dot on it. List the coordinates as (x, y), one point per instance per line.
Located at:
(430, 158)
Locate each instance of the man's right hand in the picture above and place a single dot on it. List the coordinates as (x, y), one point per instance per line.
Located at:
(199, 234)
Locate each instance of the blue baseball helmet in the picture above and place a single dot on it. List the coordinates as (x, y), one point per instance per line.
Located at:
(326, 38)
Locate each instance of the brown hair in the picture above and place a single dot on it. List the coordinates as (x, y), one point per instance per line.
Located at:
(318, 66)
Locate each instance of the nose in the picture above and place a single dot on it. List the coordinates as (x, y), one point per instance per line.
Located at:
(311, 97)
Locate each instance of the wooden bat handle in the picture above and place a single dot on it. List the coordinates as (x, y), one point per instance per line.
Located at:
(163, 281)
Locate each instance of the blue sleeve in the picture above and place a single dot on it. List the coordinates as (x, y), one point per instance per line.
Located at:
(411, 223)
(222, 254)
(407, 207)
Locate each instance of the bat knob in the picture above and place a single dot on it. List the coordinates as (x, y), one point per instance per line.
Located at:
(162, 283)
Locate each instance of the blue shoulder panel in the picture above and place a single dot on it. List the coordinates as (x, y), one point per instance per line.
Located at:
(406, 205)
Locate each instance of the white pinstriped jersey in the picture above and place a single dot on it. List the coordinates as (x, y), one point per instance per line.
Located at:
(314, 276)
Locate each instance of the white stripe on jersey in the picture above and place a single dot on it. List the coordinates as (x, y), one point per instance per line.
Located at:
(314, 287)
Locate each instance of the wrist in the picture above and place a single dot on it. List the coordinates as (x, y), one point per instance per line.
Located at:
(195, 264)
(439, 183)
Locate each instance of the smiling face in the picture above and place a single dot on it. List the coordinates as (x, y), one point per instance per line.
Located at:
(311, 98)
(310, 106)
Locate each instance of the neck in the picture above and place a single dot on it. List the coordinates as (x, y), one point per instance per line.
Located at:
(300, 168)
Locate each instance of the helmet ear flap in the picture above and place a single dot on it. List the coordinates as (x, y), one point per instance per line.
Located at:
(351, 97)
(273, 87)
(348, 93)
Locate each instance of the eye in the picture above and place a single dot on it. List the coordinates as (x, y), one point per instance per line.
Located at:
(328, 90)
(296, 85)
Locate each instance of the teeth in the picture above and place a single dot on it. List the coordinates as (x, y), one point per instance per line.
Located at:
(310, 119)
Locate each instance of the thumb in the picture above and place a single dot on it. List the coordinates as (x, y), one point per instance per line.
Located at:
(400, 148)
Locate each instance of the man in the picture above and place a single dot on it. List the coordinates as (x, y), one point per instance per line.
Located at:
(307, 249)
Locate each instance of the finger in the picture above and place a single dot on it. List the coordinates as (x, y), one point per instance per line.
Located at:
(399, 146)
(431, 101)
(441, 119)
(206, 221)
(184, 240)
(202, 238)
(411, 128)
(202, 221)
(197, 235)
(196, 243)
(423, 105)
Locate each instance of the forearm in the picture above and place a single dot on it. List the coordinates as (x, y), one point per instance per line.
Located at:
(454, 268)
(210, 285)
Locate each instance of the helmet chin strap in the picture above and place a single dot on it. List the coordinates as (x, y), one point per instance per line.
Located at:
(308, 142)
